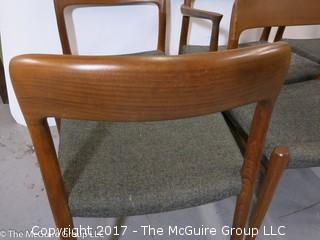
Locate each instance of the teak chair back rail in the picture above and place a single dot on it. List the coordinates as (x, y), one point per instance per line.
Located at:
(132, 88)
(60, 6)
(145, 88)
(248, 14)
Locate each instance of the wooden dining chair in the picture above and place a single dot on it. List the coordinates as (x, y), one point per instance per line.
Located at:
(260, 14)
(188, 12)
(285, 13)
(61, 5)
(296, 118)
(179, 93)
(308, 48)
(248, 15)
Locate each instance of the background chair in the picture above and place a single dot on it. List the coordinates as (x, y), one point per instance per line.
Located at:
(296, 118)
(188, 11)
(295, 121)
(301, 67)
(290, 114)
(138, 89)
(61, 5)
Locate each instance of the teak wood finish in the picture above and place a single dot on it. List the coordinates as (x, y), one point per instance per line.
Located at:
(188, 11)
(248, 14)
(128, 88)
(61, 5)
(277, 164)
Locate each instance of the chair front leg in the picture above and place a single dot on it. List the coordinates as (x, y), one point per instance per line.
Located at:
(50, 170)
(251, 164)
(276, 166)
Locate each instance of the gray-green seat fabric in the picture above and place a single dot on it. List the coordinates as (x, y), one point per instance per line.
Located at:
(301, 68)
(295, 123)
(189, 49)
(309, 48)
(124, 169)
(147, 53)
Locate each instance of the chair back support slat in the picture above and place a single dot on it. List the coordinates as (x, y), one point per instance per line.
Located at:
(248, 14)
(146, 88)
(60, 6)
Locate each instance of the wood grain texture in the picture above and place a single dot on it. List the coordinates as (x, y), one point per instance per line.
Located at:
(146, 88)
(52, 177)
(251, 166)
(248, 14)
(60, 6)
(277, 164)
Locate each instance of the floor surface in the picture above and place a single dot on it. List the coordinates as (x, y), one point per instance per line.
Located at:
(23, 201)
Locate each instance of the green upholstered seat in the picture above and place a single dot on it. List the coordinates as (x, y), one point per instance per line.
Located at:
(189, 49)
(309, 48)
(301, 68)
(148, 53)
(124, 169)
(295, 123)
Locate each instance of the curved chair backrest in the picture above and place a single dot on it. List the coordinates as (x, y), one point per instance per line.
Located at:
(60, 6)
(248, 14)
(131, 88)
(146, 88)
